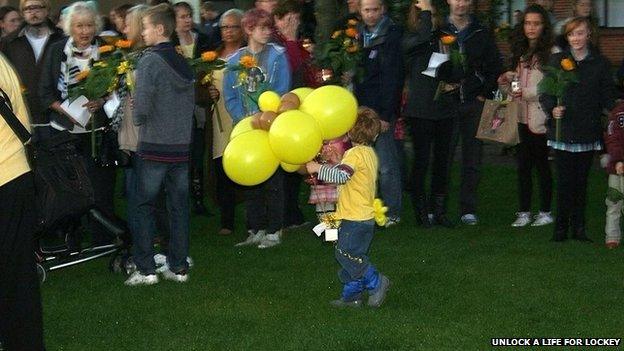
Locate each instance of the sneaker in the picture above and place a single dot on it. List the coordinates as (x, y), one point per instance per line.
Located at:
(224, 231)
(180, 277)
(469, 219)
(340, 303)
(137, 278)
(392, 221)
(270, 240)
(612, 245)
(253, 238)
(523, 219)
(298, 225)
(376, 299)
(160, 260)
(163, 266)
(542, 218)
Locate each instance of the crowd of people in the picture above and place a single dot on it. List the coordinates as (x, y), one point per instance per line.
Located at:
(162, 128)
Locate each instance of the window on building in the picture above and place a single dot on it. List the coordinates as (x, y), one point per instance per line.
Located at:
(609, 12)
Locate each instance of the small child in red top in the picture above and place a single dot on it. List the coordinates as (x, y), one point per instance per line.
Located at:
(614, 138)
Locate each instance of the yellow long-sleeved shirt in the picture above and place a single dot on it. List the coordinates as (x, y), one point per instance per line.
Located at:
(13, 162)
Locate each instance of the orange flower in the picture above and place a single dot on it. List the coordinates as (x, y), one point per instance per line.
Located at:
(336, 34)
(82, 75)
(353, 48)
(567, 64)
(209, 56)
(352, 22)
(123, 44)
(448, 39)
(351, 32)
(106, 48)
(248, 61)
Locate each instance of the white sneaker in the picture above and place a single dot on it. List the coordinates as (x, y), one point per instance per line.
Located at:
(181, 277)
(137, 278)
(392, 221)
(253, 238)
(542, 218)
(523, 219)
(270, 240)
(160, 259)
(469, 219)
(163, 265)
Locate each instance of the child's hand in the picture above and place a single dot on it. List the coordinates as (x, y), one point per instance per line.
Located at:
(558, 112)
(619, 168)
(313, 167)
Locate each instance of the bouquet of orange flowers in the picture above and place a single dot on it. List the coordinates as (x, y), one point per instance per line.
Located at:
(207, 63)
(341, 54)
(450, 46)
(555, 82)
(104, 76)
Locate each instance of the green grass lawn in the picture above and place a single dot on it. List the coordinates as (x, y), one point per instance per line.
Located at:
(451, 289)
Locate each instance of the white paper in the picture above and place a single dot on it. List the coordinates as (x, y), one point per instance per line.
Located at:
(111, 105)
(76, 110)
(435, 61)
(319, 229)
(331, 234)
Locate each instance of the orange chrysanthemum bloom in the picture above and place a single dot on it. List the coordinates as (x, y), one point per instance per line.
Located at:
(351, 32)
(82, 75)
(353, 48)
(248, 61)
(106, 48)
(336, 34)
(352, 22)
(123, 44)
(209, 56)
(448, 39)
(567, 64)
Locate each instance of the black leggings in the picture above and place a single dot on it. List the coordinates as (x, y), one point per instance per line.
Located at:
(533, 152)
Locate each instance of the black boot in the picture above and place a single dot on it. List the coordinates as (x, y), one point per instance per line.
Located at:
(422, 213)
(561, 229)
(578, 230)
(197, 193)
(439, 212)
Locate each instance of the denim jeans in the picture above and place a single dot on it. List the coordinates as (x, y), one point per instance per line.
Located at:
(151, 177)
(390, 187)
(264, 204)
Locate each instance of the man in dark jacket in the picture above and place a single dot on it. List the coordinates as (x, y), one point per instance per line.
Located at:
(26, 48)
(474, 82)
(380, 89)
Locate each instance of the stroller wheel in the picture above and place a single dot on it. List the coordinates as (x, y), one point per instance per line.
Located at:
(41, 272)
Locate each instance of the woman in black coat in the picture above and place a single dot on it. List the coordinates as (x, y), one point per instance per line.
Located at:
(431, 125)
(580, 125)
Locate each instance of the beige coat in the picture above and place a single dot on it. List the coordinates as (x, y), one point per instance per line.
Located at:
(530, 111)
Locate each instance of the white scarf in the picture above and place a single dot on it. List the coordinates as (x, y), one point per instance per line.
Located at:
(75, 62)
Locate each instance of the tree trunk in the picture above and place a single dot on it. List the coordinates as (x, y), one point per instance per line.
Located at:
(327, 12)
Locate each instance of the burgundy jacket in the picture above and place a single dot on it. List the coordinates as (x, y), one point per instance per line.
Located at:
(614, 137)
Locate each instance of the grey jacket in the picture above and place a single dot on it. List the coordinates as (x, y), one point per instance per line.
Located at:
(164, 101)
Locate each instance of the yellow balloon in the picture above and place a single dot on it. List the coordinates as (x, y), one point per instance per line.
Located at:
(334, 108)
(289, 168)
(302, 93)
(269, 101)
(241, 127)
(295, 137)
(248, 159)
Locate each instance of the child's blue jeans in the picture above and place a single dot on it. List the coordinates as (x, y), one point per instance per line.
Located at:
(357, 273)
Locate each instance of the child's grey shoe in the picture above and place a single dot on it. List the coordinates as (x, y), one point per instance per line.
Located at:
(377, 298)
(340, 303)
(270, 240)
(252, 238)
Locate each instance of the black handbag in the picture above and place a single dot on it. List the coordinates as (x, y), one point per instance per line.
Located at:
(62, 184)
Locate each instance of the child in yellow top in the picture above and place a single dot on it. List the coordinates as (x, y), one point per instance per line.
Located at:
(357, 177)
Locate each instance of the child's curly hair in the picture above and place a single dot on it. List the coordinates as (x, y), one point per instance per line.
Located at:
(367, 127)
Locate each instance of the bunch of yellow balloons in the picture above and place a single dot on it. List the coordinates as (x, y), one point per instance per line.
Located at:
(288, 132)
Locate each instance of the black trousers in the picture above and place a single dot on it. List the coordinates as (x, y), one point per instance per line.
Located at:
(264, 204)
(226, 195)
(427, 135)
(21, 325)
(572, 173)
(467, 120)
(292, 212)
(532, 152)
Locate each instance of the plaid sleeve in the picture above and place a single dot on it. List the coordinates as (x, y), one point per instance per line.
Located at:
(338, 174)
